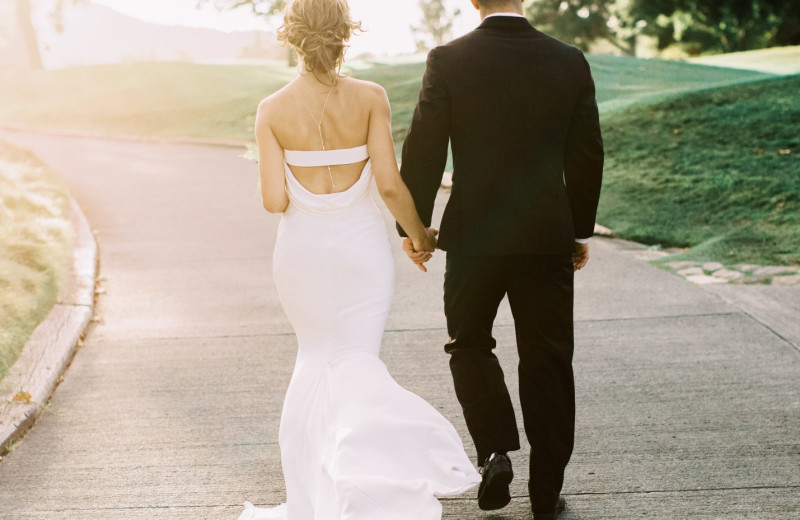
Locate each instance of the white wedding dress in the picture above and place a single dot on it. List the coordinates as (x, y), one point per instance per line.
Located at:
(354, 444)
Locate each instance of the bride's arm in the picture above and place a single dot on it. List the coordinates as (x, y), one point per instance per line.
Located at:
(391, 187)
(270, 163)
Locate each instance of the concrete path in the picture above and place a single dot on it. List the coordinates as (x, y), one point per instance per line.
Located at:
(689, 406)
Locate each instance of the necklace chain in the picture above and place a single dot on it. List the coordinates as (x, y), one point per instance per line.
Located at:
(319, 123)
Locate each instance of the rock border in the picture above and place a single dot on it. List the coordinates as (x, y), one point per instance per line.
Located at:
(54, 342)
(706, 273)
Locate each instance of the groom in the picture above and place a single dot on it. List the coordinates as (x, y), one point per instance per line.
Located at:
(518, 108)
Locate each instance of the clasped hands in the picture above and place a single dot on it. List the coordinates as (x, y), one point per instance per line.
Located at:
(420, 249)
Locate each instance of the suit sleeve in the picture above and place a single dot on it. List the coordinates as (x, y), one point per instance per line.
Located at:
(425, 148)
(584, 157)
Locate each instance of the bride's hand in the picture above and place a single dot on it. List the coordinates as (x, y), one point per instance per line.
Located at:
(421, 256)
(417, 257)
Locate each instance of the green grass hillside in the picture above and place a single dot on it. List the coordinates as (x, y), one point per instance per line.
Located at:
(776, 60)
(620, 81)
(717, 170)
(217, 101)
(718, 183)
(150, 99)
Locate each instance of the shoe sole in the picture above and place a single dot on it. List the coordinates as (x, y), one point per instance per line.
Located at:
(495, 493)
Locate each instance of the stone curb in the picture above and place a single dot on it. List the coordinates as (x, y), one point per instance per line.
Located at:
(54, 342)
(222, 143)
(708, 273)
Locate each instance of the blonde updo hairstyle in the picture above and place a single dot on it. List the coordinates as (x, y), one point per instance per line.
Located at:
(318, 30)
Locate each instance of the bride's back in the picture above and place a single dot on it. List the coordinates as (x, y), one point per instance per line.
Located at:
(309, 115)
(298, 107)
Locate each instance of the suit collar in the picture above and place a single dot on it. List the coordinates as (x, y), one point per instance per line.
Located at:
(506, 22)
(506, 14)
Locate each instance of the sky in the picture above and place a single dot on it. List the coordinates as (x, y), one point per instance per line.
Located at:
(387, 21)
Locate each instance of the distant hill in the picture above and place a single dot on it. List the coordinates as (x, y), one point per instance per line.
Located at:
(95, 34)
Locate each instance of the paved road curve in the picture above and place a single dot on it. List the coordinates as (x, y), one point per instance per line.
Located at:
(688, 406)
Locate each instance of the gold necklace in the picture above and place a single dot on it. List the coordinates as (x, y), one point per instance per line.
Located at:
(319, 122)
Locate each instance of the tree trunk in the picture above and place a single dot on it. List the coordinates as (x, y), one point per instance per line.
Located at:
(633, 45)
(29, 34)
(629, 47)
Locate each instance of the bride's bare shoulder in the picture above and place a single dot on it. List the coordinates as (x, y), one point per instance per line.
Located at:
(273, 103)
(367, 90)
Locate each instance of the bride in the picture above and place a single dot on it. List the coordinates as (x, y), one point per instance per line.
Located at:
(354, 444)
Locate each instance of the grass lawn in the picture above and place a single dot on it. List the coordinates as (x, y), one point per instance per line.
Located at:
(35, 239)
(218, 101)
(150, 99)
(718, 185)
(620, 81)
(777, 60)
(717, 170)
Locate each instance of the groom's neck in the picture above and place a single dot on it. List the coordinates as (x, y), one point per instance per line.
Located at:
(510, 7)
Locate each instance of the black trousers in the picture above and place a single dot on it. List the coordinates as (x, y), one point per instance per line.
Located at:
(540, 293)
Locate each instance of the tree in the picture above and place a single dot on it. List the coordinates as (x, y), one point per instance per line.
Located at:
(264, 8)
(57, 14)
(436, 24)
(698, 25)
(28, 30)
(260, 8)
(719, 25)
(582, 22)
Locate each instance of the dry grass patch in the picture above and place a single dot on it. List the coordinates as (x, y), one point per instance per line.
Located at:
(35, 240)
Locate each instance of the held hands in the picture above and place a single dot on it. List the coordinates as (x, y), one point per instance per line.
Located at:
(580, 256)
(421, 250)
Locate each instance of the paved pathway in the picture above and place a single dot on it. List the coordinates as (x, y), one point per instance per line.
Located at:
(689, 403)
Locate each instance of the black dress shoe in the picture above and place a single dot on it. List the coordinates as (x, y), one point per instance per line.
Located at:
(497, 475)
(560, 505)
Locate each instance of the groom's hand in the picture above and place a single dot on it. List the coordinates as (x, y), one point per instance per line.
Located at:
(428, 243)
(580, 256)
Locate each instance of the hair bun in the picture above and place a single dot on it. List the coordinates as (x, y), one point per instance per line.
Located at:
(318, 30)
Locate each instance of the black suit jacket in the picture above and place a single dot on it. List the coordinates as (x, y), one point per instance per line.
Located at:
(518, 108)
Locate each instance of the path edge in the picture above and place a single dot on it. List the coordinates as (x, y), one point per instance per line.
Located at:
(53, 344)
(131, 138)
